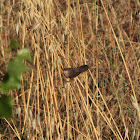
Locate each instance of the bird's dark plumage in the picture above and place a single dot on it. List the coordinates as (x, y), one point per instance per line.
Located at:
(73, 72)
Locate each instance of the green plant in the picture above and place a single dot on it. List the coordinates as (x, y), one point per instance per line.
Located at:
(11, 80)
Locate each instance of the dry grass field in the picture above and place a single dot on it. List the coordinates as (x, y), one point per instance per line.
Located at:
(100, 104)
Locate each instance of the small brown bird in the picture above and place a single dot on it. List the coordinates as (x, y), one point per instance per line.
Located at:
(73, 72)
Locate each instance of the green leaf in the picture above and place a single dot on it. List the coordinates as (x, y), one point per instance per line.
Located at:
(24, 54)
(12, 83)
(14, 44)
(16, 67)
(6, 105)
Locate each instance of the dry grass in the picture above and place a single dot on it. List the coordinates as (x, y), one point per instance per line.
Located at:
(102, 103)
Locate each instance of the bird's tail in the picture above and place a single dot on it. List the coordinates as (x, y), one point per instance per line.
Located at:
(83, 68)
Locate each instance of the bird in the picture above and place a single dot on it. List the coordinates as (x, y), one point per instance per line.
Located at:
(73, 72)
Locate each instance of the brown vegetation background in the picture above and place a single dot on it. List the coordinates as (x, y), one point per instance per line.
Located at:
(102, 103)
